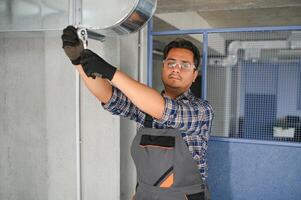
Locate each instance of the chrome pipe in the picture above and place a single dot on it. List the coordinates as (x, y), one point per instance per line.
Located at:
(95, 36)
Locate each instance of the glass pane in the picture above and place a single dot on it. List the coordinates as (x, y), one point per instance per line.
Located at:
(34, 14)
(253, 80)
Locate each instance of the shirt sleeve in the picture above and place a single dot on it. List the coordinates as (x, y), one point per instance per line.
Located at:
(121, 105)
(187, 115)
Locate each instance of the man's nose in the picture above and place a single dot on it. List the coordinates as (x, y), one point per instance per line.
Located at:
(177, 68)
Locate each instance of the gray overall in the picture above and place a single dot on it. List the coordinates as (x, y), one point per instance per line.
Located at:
(165, 167)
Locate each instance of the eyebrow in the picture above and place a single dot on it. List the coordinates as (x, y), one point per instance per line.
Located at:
(173, 59)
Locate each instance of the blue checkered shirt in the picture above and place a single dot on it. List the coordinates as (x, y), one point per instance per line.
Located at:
(191, 115)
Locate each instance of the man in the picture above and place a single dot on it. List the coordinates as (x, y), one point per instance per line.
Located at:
(170, 147)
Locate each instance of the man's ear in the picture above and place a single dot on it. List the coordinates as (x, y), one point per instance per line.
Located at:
(195, 75)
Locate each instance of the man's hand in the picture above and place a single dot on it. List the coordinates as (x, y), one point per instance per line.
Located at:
(93, 65)
(72, 45)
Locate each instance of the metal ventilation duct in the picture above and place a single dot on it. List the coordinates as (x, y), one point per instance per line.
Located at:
(118, 17)
(111, 18)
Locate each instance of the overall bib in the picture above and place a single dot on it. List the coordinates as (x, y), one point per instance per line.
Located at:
(165, 167)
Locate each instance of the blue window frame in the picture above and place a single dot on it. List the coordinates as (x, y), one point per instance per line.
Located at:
(299, 93)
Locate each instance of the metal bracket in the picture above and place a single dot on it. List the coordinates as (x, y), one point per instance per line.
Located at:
(84, 33)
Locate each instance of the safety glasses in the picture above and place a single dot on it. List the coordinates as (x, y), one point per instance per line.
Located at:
(184, 66)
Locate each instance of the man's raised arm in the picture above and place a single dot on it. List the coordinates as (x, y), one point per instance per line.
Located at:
(96, 74)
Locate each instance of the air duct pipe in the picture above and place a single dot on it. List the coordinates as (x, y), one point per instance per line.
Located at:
(253, 50)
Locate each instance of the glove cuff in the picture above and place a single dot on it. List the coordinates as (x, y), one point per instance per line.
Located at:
(76, 61)
(110, 73)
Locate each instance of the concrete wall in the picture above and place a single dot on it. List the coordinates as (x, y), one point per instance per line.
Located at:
(100, 136)
(37, 118)
(23, 125)
(59, 94)
(37, 122)
(157, 69)
(129, 63)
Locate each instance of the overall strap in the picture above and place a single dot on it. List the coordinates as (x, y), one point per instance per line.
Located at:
(148, 121)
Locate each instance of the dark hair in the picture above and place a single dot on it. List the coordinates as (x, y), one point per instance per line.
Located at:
(185, 44)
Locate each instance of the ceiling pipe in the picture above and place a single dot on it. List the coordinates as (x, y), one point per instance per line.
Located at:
(252, 50)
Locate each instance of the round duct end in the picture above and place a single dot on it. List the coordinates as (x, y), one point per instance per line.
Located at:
(134, 20)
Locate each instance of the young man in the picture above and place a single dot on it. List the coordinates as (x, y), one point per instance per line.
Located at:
(170, 147)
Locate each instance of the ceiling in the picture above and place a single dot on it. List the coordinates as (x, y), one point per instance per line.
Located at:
(200, 14)
(238, 13)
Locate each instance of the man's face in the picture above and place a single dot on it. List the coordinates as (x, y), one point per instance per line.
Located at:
(177, 78)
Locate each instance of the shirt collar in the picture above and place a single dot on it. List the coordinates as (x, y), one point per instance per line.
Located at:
(186, 94)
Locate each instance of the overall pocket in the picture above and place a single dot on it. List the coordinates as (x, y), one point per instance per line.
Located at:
(156, 160)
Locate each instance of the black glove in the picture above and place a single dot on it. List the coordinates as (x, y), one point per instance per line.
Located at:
(93, 65)
(72, 45)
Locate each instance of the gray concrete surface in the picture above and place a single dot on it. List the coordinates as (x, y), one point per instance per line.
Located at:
(37, 118)
(100, 136)
(37, 123)
(129, 64)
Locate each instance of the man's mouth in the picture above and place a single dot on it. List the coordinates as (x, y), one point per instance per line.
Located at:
(172, 76)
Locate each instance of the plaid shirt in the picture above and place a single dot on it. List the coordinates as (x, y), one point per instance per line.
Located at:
(191, 115)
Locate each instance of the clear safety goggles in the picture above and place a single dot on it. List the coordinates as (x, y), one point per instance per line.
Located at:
(184, 66)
